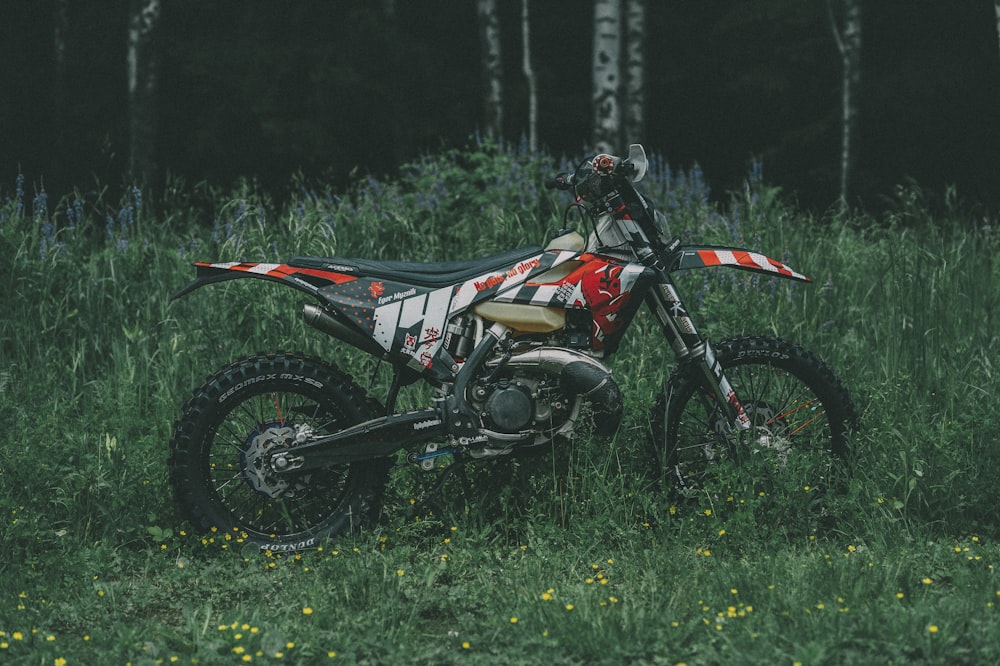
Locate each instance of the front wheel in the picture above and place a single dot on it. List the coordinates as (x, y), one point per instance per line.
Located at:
(801, 416)
(218, 454)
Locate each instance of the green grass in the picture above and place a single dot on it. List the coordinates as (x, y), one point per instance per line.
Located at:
(565, 559)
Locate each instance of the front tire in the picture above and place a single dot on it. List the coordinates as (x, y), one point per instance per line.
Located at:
(217, 454)
(800, 412)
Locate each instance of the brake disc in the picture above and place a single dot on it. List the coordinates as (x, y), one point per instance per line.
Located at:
(256, 471)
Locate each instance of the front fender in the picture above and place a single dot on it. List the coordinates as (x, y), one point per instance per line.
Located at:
(706, 256)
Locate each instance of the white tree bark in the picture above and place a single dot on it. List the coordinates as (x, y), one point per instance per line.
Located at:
(60, 79)
(144, 17)
(607, 75)
(996, 11)
(847, 34)
(489, 37)
(529, 75)
(60, 34)
(635, 71)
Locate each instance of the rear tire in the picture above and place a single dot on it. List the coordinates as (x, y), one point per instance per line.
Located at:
(256, 404)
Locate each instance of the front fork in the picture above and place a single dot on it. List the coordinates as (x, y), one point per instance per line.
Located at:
(691, 347)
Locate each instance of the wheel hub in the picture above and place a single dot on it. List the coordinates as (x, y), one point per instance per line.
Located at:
(769, 431)
(257, 472)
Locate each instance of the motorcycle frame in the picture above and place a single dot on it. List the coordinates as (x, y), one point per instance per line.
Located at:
(454, 416)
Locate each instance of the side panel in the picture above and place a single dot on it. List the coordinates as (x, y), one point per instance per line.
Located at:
(411, 321)
(605, 287)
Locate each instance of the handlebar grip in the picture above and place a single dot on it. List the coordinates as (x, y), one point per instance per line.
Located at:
(560, 181)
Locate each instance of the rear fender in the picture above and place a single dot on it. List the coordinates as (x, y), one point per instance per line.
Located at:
(304, 279)
(707, 256)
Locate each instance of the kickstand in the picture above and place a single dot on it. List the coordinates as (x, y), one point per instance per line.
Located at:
(457, 466)
(449, 471)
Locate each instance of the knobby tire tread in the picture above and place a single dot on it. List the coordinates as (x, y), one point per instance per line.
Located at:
(742, 350)
(200, 505)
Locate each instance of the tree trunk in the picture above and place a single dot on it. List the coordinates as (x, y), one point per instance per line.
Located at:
(60, 80)
(143, 76)
(847, 34)
(635, 71)
(489, 37)
(397, 127)
(529, 75)
(996, 12)
(607, 75)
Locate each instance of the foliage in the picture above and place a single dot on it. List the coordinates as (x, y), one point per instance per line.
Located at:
(566, 558)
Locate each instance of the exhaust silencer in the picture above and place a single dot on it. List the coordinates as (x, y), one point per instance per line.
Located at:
(322, 320)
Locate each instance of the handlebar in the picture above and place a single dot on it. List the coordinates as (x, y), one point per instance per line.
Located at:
(561, 181)
(612, 170)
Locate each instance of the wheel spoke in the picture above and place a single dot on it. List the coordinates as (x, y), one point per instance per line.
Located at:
(246, 432)
(234, 425)
(780, 387)
(807, 424)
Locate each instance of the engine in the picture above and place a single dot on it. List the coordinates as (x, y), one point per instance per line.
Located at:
(522, 409)
(533, 394)
(509, 407)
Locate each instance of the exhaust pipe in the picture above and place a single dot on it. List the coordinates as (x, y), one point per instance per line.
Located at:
(322, 320)
(579, 375)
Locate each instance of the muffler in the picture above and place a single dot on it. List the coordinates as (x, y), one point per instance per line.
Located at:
(322, 320)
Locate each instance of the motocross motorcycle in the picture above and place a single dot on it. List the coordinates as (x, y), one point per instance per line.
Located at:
(287, 450)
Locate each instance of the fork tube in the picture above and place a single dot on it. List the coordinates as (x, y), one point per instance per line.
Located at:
(690, 346)
(677, 326)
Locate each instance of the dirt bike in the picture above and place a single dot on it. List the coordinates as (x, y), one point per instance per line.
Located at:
(288, 450)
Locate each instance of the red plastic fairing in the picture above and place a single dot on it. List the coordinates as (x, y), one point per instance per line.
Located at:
(704, 257)
(305, 279)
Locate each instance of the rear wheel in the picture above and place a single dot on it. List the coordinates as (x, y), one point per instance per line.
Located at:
(801, 416)
(240, 415)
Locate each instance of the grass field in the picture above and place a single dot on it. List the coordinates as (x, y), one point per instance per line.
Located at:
(567, 559)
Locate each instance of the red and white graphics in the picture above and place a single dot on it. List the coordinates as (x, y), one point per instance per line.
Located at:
(412, 320)
(599, 284)
(702, 257)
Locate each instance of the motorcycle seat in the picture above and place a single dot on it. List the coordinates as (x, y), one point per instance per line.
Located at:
(424, 274)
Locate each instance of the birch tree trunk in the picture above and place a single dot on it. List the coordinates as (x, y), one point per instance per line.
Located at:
(635, 71)
(143, 78)
(60, 80)
(847, 34)
(996, 12)
(607, 75)
(489, 38)
(529, 75)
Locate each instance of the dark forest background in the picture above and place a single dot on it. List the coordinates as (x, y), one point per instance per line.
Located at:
(267, 89)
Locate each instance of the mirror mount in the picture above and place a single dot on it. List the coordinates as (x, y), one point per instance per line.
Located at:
(637, 158)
